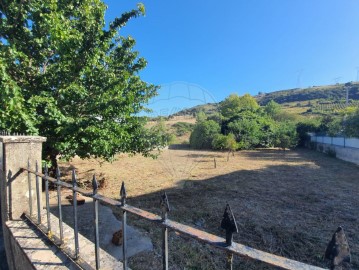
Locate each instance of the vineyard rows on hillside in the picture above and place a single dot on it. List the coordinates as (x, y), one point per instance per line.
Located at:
(334, 107)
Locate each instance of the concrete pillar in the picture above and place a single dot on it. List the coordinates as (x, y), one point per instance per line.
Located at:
(15, 151)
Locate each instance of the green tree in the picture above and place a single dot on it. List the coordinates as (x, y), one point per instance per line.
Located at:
(286, 135)
(224, 142)
(66, 77)
(330, 124)
(304, 127)
(234, 104)
(231, 142)
(272, 109)
(203, 134)
(246, 131)
(200, 117)
(249, 103)
(230, 106)
(251, 130)
(336, 127)
(161, 133)
(351, 123)
(219, 142)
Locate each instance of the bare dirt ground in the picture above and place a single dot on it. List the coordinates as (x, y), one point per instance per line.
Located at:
(287, 204)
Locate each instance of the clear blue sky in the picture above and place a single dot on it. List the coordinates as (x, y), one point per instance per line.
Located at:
(220, 47)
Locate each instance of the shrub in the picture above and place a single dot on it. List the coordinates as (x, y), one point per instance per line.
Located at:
(224, 142)
(303, 128)
(286, 135)
(219, 142)
(159, 131)
(203, 134)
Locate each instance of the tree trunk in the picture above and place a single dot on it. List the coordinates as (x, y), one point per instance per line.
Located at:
(53, 159)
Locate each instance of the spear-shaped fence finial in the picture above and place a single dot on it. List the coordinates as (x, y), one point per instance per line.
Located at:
(165, 206)
(58, 174)
(74, 178)
(123, 193)
(46, 170)
(229, 224)
(94, 184)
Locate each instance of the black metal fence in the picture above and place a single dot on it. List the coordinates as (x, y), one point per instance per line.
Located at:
(336, 252)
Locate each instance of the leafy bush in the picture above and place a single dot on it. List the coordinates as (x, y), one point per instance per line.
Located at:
(161, 134)
(224, 142)
(203, 134)
(286, 135)
(352, 124)
(272, 108)
(251, 130)
(219, 142)
(302, 130)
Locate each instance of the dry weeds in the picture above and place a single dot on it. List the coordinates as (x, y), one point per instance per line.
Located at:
(285, 203)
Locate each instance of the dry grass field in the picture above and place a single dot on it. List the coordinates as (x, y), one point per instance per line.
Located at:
(285, 203)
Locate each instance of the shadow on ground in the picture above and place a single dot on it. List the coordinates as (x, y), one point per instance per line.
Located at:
(290, 210)
(108, 225)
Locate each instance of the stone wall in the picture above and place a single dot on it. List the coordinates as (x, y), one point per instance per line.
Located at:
(30, 249)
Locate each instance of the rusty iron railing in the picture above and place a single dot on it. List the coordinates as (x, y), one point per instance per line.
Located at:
(337, 252)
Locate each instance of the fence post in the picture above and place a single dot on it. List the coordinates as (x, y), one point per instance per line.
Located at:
(165, 208)
(30, 186)
(74, 202)
(59, 205)
(123, 195)
(97, 239)
(46, 171)
(38, 195)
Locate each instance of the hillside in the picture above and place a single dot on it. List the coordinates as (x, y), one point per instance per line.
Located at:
(312, 100)
(330, 92)
(208, 108)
